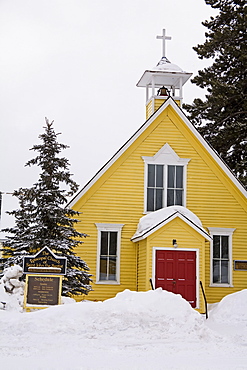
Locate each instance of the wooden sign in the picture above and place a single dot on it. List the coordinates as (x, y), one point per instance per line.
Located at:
(240, 265)
(45, 262)
(43, 290)
(44, 272)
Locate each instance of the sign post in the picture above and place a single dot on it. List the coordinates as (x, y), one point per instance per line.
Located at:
(44, 273)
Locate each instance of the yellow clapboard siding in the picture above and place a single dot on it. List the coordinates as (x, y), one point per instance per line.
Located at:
(118, 197)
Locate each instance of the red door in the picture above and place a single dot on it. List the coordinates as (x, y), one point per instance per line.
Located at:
(176, 272)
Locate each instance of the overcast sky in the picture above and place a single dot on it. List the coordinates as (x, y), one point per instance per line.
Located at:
(77, 62)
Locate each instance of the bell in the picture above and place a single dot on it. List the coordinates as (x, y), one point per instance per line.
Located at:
(162, 91)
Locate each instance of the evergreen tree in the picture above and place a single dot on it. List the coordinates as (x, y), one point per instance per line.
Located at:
(42, 220)
(221, 117)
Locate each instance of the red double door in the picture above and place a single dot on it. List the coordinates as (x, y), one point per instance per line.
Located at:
(176, 272)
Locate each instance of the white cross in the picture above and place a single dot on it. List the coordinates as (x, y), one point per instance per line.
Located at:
(164, 38)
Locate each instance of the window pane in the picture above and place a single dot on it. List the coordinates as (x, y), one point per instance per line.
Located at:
(104, 243)
(179, 177)
(151, 175)
(216, 272)
(171, 176)
(113, 243)
(159, 198)
(178, 197)
(159, 176)
(224, 271)
(112, 268)
(170, 197)
(224, 247)
(150, 199)
(216, 246)
(103, 268)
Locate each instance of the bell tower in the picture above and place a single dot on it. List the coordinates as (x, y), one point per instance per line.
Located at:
(162, 81)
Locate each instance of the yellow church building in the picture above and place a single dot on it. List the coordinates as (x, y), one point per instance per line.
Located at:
(165, 211)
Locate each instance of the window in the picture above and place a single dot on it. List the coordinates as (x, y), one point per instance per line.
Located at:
(221, 259)
(108, 255)
(155, 187)
(175, 186)
(108, 261)
(165, 179)
(221, 250)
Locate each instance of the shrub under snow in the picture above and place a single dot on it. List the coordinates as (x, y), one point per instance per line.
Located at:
(12, 289)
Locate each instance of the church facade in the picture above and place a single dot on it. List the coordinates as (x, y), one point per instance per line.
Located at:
(165, 211)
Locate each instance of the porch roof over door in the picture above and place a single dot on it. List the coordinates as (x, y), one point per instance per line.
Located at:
(151, 222)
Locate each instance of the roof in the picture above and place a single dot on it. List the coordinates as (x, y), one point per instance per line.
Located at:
(152, 222)
(165, 65)
(165, 73)
(178, 110)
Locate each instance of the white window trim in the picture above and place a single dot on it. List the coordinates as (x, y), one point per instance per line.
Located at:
(108, 227)
(197, 268)
(226, 232)
(166, 156)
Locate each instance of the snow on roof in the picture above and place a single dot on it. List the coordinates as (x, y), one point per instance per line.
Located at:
(165, 65)
(156, 218)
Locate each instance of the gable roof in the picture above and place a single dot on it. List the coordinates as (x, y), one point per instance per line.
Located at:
(153, 221)
(124, 147)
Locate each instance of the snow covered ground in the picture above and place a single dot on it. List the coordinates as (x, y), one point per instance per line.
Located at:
(149, 330)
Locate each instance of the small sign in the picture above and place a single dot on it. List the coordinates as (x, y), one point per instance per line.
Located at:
(43, 290)
(44, 262)
(240, 265)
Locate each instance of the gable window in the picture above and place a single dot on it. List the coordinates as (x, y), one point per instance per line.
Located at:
(221, 260)
(165, 179)
(175, 186)
(155, 187)
(108, 256)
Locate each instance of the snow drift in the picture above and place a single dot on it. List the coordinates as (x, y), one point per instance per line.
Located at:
(231, 309)
(135, 330)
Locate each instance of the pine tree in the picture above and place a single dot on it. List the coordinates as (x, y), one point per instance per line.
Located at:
(221, 117)
(42, 220)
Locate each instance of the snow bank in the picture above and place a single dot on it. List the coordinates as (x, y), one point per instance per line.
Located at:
(148, 315)
(67, 300)
(231, 309)
(134, 330)
(158, 313)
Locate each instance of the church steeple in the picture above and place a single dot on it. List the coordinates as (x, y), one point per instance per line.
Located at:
(166, 79)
